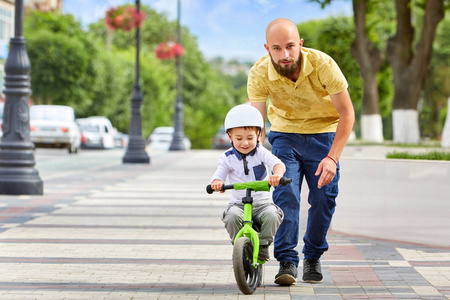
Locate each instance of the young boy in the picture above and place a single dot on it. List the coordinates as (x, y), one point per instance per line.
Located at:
(246, 161)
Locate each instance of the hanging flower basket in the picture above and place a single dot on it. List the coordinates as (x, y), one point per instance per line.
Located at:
(124, 18)
(169, 50)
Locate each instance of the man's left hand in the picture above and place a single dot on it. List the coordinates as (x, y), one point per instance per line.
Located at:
(326, 170)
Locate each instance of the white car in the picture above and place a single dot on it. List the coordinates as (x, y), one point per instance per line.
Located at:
(54, 126)
(97, 132)
(161, 139)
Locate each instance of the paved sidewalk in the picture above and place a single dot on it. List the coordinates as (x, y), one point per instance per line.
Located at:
(151, 232)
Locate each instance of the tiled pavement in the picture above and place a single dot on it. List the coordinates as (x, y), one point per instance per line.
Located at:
(151, 232)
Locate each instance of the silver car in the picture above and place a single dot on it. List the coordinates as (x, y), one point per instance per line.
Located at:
(161, 139)
(54, 126)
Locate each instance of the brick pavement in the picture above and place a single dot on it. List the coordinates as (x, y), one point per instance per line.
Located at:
(151, 232)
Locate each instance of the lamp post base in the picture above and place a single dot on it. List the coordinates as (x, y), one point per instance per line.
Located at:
(177, 144)
(21, 186)
(136, 152)
(17, 175)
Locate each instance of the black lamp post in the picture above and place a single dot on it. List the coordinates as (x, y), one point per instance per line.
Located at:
(136, 146)
(17, 173)
(178, 135)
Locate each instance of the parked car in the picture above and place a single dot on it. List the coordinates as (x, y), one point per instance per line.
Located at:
(161, 139)
(54, 126)
(97, 132)
(221, 140)
(120, 139)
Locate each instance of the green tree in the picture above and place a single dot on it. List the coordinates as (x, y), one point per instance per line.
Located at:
(437, 86)
(317, 34)
(206, 93)
(58, 63)
(74, 67)
(409, 55)
(60, 56)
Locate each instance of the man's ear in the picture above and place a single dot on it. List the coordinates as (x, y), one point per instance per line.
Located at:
(267, 48)
(301, 43)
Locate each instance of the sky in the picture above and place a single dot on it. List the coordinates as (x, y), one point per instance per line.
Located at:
(232, 29)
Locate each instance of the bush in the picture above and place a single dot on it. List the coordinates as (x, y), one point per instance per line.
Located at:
(432, 155)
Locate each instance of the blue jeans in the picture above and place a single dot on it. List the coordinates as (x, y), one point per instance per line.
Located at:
(302, 153)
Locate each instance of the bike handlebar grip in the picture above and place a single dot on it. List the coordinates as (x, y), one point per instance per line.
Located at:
(284, 181)
(209, 189)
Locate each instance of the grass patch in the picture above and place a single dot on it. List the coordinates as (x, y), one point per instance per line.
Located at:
(432, 155)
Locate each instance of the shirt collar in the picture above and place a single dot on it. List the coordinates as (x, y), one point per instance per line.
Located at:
(240, 155)
(306, 67)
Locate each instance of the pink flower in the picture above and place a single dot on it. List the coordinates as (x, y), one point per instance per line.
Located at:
(124, 18)
(168, 50)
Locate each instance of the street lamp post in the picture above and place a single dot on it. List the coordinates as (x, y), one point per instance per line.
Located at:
(136, 146)
(178, 135)
(17, 173)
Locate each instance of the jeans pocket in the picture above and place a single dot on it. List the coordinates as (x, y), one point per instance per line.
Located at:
(332, 189)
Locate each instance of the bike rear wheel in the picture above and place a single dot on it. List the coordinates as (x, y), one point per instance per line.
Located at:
(247, 276)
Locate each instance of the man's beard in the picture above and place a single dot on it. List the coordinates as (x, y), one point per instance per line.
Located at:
(287, 71)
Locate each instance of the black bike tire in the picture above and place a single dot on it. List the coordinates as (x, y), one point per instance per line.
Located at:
(247, 276)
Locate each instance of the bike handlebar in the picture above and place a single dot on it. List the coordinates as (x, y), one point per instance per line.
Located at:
(283, 181)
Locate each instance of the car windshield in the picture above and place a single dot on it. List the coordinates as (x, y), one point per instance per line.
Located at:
(51, 114)
(163, 136)
(89, 128)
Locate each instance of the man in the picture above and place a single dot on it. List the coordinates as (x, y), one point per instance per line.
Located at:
(312, 117)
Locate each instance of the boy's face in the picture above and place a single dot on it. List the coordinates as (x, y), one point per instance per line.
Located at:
(243, 139)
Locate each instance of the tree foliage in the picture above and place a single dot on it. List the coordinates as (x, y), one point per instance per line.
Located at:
(318, 34)
(94, 72)
(205, 94)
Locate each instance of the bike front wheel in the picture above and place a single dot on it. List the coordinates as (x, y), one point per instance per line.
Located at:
(247, 276)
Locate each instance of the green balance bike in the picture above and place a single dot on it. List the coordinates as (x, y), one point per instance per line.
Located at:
(247, 267)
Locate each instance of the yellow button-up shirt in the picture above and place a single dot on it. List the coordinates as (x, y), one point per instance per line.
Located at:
(303, 106)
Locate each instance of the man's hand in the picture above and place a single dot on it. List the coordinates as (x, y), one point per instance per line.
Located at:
(217, 185)
(326, 170)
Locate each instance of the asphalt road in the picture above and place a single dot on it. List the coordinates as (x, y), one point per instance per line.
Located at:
(58, 163)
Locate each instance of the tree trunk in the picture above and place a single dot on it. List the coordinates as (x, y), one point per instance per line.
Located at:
(446, 133)
(369, 60)
(409, 68)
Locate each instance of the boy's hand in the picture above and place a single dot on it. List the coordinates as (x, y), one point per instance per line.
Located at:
(274, 180)
(217, 185)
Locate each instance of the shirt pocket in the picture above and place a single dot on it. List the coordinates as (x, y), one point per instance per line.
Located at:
(260, 171)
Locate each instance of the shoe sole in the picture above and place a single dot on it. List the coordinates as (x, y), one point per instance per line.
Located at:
(285, 279)
(312, 281)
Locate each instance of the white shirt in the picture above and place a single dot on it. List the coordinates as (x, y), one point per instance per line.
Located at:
(231, 164)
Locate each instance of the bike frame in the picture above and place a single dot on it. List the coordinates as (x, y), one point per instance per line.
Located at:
(247, 230)
(248, 280)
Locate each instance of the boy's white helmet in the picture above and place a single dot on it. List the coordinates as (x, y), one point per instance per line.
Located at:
(243, 115)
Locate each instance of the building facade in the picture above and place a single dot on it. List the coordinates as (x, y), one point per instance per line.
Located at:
(44, 5)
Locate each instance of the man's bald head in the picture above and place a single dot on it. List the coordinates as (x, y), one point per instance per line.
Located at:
(284, 45)
(281, 26)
